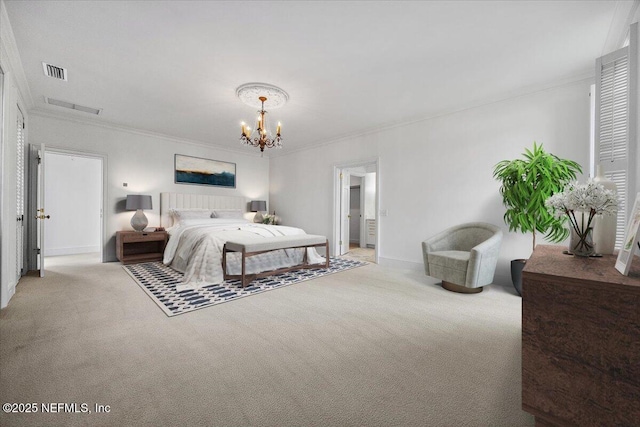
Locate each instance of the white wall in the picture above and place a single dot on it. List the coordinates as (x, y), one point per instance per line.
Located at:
(438, 172)
(73, 198)
(146, 163)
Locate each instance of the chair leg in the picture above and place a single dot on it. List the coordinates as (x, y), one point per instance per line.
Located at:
(452, 287)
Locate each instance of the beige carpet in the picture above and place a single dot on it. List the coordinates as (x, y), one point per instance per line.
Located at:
(367, 347)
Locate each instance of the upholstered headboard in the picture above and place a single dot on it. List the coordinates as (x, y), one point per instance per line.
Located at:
(196, 201)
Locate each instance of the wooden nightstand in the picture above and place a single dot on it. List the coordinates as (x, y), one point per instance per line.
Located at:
(134, 246)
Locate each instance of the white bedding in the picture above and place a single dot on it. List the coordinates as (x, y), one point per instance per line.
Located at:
(195, 249)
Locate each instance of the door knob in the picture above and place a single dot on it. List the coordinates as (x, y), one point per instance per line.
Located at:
(42, 215)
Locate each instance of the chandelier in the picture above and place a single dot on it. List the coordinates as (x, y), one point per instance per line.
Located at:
(261, 135)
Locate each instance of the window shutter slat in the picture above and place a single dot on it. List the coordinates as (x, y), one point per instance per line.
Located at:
(612, 127)
(19, 195)
(620, 179)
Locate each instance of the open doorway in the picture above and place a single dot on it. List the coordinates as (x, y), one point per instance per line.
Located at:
(73, 196)
(356, 206)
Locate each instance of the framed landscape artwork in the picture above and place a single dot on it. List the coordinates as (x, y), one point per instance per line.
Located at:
(631, 240)
(199, 171)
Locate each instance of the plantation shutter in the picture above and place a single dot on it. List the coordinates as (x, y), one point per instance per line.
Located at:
(614, 147)
(19, 195)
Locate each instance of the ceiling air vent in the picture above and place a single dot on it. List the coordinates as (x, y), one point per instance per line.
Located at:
(65, 104)
(55, 72)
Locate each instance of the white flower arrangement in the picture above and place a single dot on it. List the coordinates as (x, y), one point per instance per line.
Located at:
(269, 219)
(590, 198)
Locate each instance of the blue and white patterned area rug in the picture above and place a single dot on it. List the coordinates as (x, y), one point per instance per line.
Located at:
(159, 282)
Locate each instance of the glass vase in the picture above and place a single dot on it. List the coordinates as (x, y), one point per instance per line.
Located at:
(581, 242)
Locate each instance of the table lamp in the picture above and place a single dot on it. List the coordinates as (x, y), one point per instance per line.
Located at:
(138, 202)
(258, 206)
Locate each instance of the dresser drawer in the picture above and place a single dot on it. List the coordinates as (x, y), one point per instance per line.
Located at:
(135, 236)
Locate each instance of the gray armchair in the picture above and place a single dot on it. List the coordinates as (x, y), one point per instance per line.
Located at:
(464, 257)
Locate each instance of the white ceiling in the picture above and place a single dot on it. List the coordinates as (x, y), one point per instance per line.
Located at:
(172, 67)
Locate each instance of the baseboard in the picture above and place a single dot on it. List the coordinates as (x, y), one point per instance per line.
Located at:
(499, 279)
(11, 291)
(502, 280)
(71, 251)
(401, 264)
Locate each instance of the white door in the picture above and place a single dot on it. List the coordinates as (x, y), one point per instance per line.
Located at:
(20, 197)
(361, 220)
(41, 216)
(355, 213)
(345, 198)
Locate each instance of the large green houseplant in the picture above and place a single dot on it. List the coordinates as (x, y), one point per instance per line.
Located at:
(526, 184)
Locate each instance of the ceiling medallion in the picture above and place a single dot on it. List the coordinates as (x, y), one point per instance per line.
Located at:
(250, 94)
(260, 95)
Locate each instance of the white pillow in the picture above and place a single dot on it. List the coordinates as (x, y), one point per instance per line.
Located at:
(187, 222)
(203, 221)
(211, 221)
(228, 213)
(182, 214)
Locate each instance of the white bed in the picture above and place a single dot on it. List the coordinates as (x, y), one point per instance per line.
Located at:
(196, 240)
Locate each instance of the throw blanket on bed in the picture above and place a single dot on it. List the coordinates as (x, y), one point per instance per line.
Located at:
(195, 249)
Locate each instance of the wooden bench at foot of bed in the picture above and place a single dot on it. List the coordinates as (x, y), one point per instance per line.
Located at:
(251, 247)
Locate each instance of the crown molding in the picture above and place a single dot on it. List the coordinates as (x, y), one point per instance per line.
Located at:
(14, 63)
(587, 76)
(39, 112)
(524, 91)
(624, 15)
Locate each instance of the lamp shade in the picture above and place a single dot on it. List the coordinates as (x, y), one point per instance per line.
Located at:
(138, 201)
(258, 206)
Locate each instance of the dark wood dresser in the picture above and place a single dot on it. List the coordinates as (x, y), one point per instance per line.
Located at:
(580, 340)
